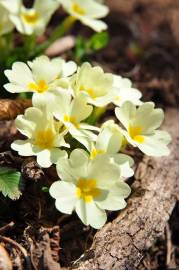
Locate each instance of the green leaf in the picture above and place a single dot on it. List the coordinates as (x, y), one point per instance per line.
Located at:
(80, 48)
(84, 47)
(45, 189)
(98, 41)
(9, 183)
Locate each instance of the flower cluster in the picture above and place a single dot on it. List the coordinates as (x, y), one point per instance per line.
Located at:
(89, 159)
(34, 20)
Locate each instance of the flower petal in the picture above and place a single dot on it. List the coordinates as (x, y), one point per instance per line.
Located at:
(148, 118)
(90, 214)
(155, 145)
(80, 110)
(15, 76)
(107, 175)
(44, 69)
(44, 158)
(115, 199)
(63, 105)
(126, 113)
(28, 122)
(69, 68)
(64, 193)
(125, 92)
(79, 157)
(125, 162)
(23, 147)
(56, 153)
(71, 170)
(109, 139)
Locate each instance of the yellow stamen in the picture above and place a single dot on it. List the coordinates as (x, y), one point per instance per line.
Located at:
(87, 190)
(90, 91)
(30, 17)
(78, 9)
(96, 152)
(67, 118)
(135, 133)
(39, 87)
(45, 138)
(71, 119)
(118, 98)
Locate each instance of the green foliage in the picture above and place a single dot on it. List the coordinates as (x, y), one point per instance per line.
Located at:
(85, 47)
(98, 41)
(80, 49)
(9, 183)
(45, 189)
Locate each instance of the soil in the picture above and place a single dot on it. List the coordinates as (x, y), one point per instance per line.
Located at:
(144, 46)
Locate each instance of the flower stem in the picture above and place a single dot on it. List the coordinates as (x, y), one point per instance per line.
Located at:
(29, 43)
(59, 31)
(97, 113)
(6, 45)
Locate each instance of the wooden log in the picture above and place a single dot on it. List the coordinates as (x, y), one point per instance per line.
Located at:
(122, 243)
(9, 109)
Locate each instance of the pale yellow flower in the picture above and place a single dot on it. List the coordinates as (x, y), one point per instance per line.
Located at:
(96, 85)
(142, 125)
(41, 77)
(87, 189)
(88, 12)
(44, 135)
(33, 20)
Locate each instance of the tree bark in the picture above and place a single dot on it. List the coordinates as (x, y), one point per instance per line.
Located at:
(9, 109)
(122, 244)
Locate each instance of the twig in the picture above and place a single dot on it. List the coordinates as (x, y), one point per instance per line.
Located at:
(18, 246)
(169, 244)
(170, 248)
(62, 219)
(7, 227)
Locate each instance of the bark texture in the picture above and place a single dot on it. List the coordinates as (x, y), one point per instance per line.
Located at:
(122, 244)
(9, 109)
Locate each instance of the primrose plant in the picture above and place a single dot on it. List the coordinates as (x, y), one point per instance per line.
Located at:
(32, 22)
(62, 129)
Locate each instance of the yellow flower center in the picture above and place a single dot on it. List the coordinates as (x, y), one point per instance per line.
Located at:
(30, 17)
(78, 9)
(135, 133)
(87, 190)
(118, 98)
(90, 91)
(45, 138)
(71, 119)
(39, 87)
(96, 152)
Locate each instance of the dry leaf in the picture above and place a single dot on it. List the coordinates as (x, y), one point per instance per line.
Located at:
(44, 247)
(61, 46)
